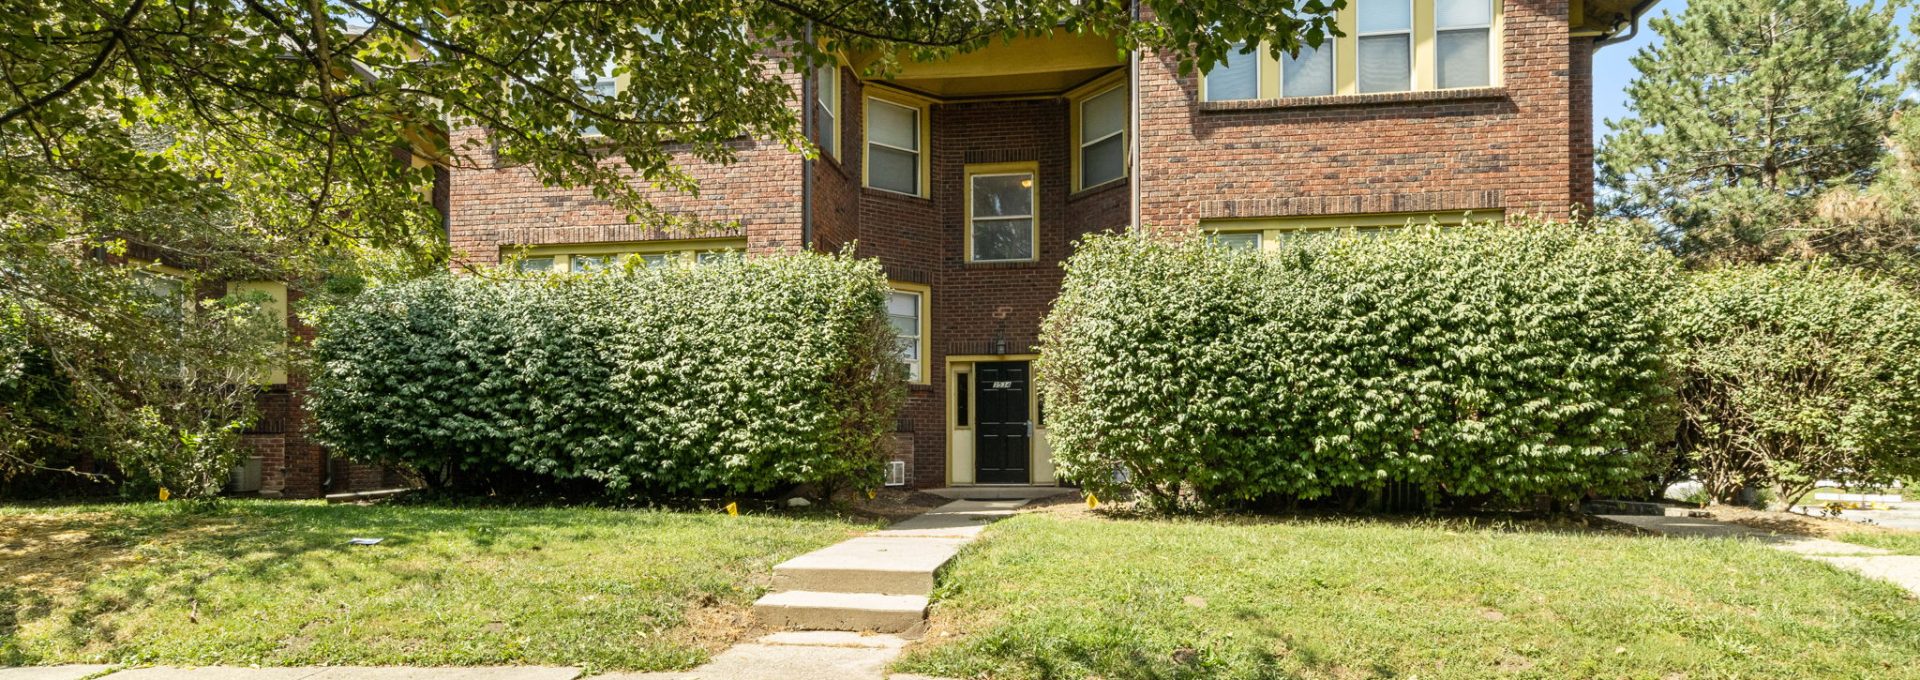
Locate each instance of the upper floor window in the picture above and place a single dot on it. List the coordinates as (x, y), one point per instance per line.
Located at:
(1001, 212)
(1390, 46)
(1103, 137)
(894, 146)
(1309, 73)
(598, 87)
(1236, 78)
(826, 110)
(1385, 45)
(1463, 42)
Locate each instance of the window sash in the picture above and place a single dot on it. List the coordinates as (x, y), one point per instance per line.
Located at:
(910, 184)
(907, 328)
(1029, 248)
(1326, 54)
(1090, 138)
(1238, 57)
(826, 133)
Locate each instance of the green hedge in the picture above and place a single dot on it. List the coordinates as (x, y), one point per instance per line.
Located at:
(1794, 373)
(741, 377)
(1483, 361)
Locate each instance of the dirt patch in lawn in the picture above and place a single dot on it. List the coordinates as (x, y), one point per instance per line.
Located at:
(891, 505)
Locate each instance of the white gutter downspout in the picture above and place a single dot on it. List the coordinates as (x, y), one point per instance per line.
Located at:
(1133, 129)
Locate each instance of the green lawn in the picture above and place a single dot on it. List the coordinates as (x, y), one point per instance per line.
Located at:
(276, 583)
(1900, 542)
(1044, 596)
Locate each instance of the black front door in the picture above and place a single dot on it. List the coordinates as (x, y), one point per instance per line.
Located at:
(1001, 432)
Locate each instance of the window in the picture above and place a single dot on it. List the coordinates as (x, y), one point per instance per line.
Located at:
(1254, 233)
(1309, 73)
(1236, 78)
(893, 146)
(1103, 138)
(906, 312)
(826, 109)
(591, 258)
(599, 87)
(536, 264)
(962, 399)
(1463, 42)
(1000, 213)
(1385, 45)
(271, 298)
(1235, 240)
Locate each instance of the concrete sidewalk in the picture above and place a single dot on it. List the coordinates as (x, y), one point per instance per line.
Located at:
(1901, 570)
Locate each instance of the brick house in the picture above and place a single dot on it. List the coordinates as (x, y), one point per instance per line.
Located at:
(970, 180)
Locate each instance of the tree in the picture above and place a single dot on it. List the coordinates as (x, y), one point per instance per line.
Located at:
(1748, 110)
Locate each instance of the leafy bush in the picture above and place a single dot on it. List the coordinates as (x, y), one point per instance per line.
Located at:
(1790, 374)
(1475, 362)
(739, 377)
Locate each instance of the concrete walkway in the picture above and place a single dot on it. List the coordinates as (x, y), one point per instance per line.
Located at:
(1901, 570)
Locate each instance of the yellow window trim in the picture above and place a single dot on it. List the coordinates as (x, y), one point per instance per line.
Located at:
(1346, 55)
(562, 254)
(903, 99)
(966, 198)
(926, 326)
(1273, 230)
(1077, 98)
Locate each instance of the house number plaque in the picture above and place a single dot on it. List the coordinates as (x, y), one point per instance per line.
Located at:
(1002, 384)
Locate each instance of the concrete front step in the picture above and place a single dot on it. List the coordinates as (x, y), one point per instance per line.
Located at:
(814, 610)
(879, 565)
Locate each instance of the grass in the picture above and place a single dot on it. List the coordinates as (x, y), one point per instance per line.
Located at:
(1047, 596)
(275, 583)
(1897, 542)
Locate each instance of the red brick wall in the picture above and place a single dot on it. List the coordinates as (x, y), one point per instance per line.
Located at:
(1510, 147)
(1580, 120)
(493, 204)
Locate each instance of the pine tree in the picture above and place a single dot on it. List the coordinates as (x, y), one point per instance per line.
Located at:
(1747, 112)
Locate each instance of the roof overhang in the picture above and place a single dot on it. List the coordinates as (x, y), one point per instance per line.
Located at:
(1045, 63)
(1604, 19)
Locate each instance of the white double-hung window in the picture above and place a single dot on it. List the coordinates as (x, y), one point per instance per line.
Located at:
(1236, 78)
(1103, 137)
(893, 147)
(1385, 45)
(1463, 42)
(906, 311)
(1000, 212)
(826, 109)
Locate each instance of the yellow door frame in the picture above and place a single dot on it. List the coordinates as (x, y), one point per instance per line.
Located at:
(1033, 412)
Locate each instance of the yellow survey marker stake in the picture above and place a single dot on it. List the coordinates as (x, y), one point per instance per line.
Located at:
(1092, 501)
(165, 494)
(733, 509)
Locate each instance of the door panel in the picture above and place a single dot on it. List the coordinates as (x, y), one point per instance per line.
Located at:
(1002, 433)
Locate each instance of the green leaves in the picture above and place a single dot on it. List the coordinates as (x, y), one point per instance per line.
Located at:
(1791, 374)
(1511, 361)
(1745, 112)
(736, 378)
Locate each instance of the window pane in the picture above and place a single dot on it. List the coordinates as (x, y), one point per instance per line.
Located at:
(537, 264)
(1379, 16)
(591, 263)
(1103, 161)
(1236, 240)
(1308, 75)
(904, 305)
(826, 86)
(1236, 78)
(1463, 58)
(824, 128)
(1383, 64)
(654, 261)
(962, 398)
(895, 126)
(1103, 115)
(1003, 239)
(1002, 195)
(893, 170)
(1452, 13)
(826, 92)
(716, 257)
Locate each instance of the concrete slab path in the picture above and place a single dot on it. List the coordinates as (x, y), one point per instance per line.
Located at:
(1901, 570)
(67, 672)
